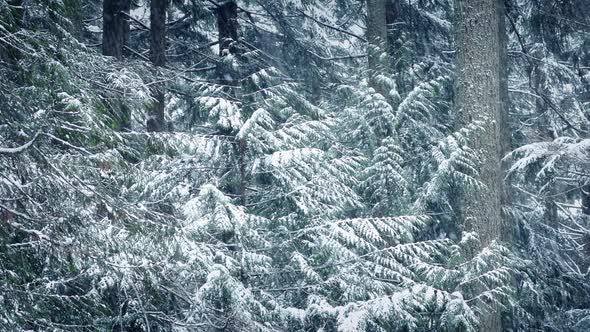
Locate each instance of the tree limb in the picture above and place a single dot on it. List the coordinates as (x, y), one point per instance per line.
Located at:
(331, 26)
(21, 148)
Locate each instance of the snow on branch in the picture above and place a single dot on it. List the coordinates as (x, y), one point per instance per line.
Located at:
(21, 148)
(21, 227)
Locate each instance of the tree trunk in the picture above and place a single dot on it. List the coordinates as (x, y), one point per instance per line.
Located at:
(506, 133)
(393, 12)
(156, 121)
(504, 123)
(115, 27)
(479, 98)
(115, 36)
(393, 16)
(227, 26)
(110, 38)
(126, 28)
(586, 199)
(377, 41)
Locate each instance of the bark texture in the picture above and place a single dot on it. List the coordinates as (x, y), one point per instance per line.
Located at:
(156, 121)
(506, 133)
(377, 39)
(479, 97)
(115, 27)
(505, 144)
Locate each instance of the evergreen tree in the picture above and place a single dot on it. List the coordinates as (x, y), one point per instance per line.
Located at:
(291, 166)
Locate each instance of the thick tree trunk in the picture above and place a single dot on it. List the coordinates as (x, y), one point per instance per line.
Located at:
(115, 36)
(126, 28)
(377, 40)
(110, 37)
(504, 124)
(394, 15)
(158, 32)
(156, 121)
(227, 26)
(393, 12)
(506, 133)
(479, 98)
(115, 27)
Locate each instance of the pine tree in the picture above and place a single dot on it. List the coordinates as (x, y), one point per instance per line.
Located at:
(287, 190)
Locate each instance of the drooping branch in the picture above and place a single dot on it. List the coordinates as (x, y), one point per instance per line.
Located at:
(138, 22)
(20, 226)
(331, 26)
(21, 148)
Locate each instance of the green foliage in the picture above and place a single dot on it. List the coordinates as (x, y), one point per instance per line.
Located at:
(286, 194)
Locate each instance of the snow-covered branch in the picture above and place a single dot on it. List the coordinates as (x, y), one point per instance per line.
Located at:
(21, 148)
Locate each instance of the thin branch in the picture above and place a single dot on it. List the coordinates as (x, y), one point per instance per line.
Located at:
(171, 23)
(136, 53)
(20, 226)
(346, 32)
(143, 25)
(196, 70)
(347, 57)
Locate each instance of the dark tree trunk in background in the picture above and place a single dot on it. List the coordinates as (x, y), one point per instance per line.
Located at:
(478, 97)
(393, 15)
(377, 41)
(586, 199)
(227, 27)
(115, 27)
(126, 9)
(156, 121)
(110, 38)
(115, 36)
(158, 32)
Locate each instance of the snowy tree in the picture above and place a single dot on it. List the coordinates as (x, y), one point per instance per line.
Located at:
(291, 166)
